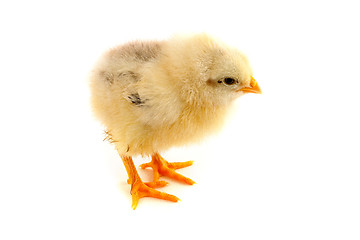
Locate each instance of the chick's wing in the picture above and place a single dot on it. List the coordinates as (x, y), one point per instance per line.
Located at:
(152, 100)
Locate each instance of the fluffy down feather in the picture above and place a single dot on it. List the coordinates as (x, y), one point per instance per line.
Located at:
(157, 94)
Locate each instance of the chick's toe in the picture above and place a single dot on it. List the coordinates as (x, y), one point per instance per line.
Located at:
(161, 167)
(140, 190)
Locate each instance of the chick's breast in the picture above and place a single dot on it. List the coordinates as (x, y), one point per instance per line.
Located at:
(137, 98)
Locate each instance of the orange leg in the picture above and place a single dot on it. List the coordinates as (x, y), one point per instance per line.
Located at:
(138, 188)
(161, 167)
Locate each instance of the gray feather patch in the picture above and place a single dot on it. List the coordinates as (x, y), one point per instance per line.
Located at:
(136, 100)
(107, 76)
(129, 75)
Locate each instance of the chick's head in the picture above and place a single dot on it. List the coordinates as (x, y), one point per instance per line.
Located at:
(208, 71)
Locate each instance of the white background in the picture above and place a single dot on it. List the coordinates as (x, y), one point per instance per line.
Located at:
(286, 165)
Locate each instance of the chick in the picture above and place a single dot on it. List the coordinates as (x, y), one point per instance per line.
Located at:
(153, 95)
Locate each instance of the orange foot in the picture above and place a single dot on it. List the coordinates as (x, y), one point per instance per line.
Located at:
(161, 167)
(140, 190)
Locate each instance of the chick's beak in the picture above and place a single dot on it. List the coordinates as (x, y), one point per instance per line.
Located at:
(254, 87)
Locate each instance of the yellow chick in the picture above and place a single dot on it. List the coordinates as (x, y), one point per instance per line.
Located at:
(153, 95)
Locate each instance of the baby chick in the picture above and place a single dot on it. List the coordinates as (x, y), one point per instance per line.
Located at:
(153, 95)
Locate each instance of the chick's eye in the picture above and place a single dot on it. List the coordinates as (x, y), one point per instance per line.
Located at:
(229, 81)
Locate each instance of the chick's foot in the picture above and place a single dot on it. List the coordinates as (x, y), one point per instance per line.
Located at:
(140, 189)
(161, 167)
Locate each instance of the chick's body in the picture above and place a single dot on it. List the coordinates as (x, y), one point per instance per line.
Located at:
(157, 94)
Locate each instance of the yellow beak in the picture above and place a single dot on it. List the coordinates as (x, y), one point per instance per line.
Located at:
(254, 87)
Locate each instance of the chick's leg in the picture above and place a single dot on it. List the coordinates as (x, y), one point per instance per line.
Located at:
(161, 167)
(138, 188)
